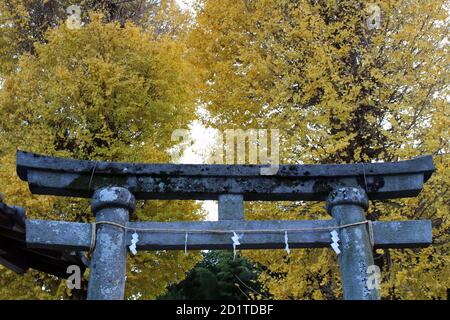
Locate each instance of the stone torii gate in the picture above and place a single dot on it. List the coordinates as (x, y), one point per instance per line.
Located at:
(114, 188)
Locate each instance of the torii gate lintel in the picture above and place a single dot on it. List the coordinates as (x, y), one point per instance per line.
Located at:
(117, 186)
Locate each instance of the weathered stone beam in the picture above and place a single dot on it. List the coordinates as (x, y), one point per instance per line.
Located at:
(402, 234)
(80, 178)
(76, 236)
(58, 235)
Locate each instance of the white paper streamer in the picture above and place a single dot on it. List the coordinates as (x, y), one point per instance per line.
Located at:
(185, 243)
(134, 240)
(286, 242)
(236, 242)
(335, 239)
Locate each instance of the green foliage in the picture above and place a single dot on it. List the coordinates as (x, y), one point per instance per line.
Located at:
(219, 276)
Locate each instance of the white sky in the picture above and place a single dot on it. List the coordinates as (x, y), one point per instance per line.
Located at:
(185, 4)
(203, 141)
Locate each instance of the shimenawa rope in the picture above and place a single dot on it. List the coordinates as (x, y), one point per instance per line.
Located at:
(187, 231)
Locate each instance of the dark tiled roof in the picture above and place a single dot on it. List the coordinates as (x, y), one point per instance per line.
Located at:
(15, 255)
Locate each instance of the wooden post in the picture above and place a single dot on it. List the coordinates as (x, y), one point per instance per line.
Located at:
(108, 264)
(347, 205)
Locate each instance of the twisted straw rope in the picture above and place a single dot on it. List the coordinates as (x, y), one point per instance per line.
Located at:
(124, 227)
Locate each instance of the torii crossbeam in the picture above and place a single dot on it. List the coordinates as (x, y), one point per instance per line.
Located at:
(114, 187)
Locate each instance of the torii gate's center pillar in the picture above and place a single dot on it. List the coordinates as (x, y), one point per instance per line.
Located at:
(108, 262)
(347, 205)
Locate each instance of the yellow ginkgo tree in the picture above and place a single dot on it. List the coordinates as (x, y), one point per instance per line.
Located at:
(100, 92)
(344, 81)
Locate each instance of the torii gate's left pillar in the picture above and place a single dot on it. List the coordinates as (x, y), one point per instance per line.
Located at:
(108, 262)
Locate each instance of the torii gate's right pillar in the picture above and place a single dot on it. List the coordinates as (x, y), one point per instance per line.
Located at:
(347, 205)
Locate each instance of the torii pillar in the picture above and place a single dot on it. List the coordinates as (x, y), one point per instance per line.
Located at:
(109, 258)
(348, 205)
